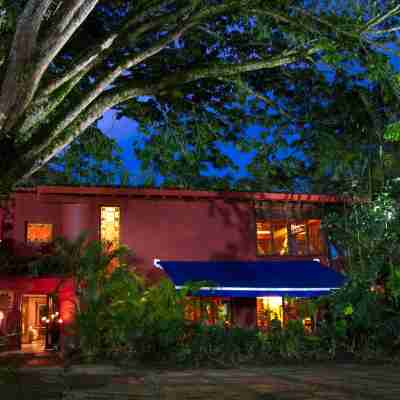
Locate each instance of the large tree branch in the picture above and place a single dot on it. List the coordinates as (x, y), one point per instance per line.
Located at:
(86, 119)
(381, 18)
(18, 86)
(69, 20)
(119, 95)
(45, 103)
(85, 62)
(220, 70)
(73, 17)
(109, 78)
(386, 31)
(89, 59)
(75, 13)
(40, 110)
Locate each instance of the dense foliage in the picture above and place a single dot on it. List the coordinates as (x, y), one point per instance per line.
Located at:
(366, 312)
(92, 159)
(123, 318)
(193, 73)
(367, 233)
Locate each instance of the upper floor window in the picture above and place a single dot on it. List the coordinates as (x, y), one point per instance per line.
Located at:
(39, 233)
(110, 225)
(289, 238)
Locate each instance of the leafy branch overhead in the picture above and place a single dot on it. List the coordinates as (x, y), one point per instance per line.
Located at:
(65, 62)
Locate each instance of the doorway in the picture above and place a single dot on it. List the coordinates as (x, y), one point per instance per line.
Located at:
(33, 326)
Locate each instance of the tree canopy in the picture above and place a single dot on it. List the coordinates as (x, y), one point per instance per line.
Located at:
(91, 159)
(193, 73)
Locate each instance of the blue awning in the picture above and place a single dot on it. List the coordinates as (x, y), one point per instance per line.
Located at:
(255, 279)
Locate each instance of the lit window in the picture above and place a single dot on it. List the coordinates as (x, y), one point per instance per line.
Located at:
(315, 242)
(110, 225)
(269, 309)
(298, 238)
(224, 312)
(39, 233)
(272, 238)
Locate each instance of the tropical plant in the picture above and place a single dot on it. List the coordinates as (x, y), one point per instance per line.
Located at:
(368, 234)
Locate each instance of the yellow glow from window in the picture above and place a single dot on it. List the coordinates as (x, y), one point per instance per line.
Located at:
(110, 225)
(39, 233)
(268, 309)
(298, 238)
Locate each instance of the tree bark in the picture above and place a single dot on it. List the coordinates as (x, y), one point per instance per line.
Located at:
(115, 97)
(18, 86)
(38, 120)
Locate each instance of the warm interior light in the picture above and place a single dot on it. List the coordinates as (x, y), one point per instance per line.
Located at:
(264, 232)
(307, 323)
(1, 316)
(39, 233)
(110, 225)
(273, 305)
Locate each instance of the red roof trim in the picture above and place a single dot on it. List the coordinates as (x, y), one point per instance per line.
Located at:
(184, 193)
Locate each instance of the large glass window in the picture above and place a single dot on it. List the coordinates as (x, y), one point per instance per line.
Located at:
(39, 233)
(298, 239)
(209, 310)
(269, 309)
(289, 238)
(272, 238)
(110, 225)
(315, 241)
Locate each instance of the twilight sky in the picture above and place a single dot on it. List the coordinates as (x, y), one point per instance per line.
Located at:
(124, 131)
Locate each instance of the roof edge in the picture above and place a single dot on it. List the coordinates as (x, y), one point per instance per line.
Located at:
(184, 193)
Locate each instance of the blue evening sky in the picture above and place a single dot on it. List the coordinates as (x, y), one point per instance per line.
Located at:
(125, 131)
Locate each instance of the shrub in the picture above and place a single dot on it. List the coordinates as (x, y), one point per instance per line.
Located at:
(119, 317)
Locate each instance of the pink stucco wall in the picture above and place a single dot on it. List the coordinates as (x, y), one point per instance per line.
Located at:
(167, 228)
(155, 224)
(176, 229)
(74, 219)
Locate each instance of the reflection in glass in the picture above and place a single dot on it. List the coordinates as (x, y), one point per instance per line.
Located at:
(298, 238)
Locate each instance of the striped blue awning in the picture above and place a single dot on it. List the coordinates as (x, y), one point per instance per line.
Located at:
(255, 279)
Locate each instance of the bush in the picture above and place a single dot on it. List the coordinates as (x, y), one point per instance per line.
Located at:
(119, 317)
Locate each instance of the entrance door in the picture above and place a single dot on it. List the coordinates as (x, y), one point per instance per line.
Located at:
(33, 328)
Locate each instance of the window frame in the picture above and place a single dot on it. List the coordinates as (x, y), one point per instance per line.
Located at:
(120, 219)
(38, 243)
(290, 237)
